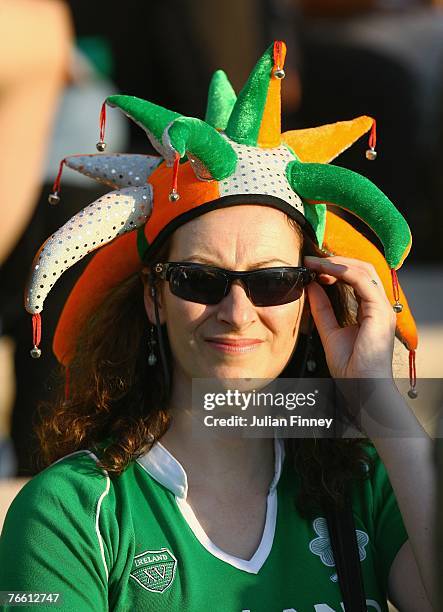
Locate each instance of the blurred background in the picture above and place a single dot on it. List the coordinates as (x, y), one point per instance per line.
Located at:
(60, 59)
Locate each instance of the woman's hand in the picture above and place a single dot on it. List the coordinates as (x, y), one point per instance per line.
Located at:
(363, 350)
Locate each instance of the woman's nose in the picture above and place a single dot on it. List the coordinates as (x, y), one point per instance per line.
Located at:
(236, 308)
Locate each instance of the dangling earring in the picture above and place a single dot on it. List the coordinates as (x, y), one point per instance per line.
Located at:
(311, 364)
(152, 357)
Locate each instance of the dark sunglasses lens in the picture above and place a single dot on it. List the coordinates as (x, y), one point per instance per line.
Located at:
(275, 288)
(197, 285)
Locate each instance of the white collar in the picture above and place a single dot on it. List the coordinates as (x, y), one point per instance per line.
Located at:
(169, 472)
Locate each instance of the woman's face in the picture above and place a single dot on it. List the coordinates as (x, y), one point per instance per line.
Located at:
(234, 338)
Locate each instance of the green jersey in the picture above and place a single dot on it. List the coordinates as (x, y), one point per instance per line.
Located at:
(134, 543)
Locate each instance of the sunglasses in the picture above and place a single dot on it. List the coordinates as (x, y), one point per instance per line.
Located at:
(209, 285)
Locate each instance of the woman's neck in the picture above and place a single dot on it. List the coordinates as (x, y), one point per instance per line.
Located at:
(227, 465)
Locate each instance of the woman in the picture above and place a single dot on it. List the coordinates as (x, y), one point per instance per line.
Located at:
(141, 516)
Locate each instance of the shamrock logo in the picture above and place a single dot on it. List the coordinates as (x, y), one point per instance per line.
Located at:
(321, 545)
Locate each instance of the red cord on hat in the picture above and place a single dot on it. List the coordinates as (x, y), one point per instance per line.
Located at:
(101, 145)
(174, 195)
(395, 286)
(36, 335)
(396, 290)
(277, 70)
(412, 375)
(398, 307)
(373, 135)
(102, 121)
(371, 153)
(36, 329)
(277, 53)
(54, 197)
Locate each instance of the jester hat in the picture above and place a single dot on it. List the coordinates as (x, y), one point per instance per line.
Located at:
(237, 155)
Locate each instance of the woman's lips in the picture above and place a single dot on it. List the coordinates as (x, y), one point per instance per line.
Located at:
(226, 345)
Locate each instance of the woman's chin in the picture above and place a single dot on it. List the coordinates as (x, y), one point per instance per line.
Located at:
(226, 373)
(229, 369)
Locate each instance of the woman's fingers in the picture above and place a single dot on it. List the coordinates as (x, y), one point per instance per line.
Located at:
(355, 350)
(362, 277)
(349, 261)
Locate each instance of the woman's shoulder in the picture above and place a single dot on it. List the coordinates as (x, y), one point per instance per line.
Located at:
(63, 520)
(375, 504)
(373, 497)
(73, 483)
(79, 465)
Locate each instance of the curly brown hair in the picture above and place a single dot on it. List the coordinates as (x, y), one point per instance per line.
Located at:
(117, 404)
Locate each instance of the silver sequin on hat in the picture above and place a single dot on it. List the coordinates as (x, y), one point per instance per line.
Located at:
(99, 223)
(116, 171)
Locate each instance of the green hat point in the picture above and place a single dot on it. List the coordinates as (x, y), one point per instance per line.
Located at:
(151, 117)
(199, 140)
(357, 194)
(246, 117)
(221, 100)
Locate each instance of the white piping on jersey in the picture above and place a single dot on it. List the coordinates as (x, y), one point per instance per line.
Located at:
(252, 565)
(165, 469)
(168, 471)
(99, 504)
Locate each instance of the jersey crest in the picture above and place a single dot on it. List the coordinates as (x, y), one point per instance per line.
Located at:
(154, 570)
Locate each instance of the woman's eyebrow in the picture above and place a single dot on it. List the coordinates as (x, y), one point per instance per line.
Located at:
(207, 260)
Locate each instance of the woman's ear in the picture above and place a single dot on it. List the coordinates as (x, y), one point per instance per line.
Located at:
(151, 293)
